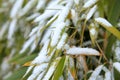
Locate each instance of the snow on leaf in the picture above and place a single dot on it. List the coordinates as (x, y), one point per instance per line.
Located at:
(82, 51)
(28, 70)
(33, 46)
(103, 22)
(40, 75)
(76, 2)
(42, 55)
(89, 3)
(27, 7)
(27, 44)
(56, 34)
(74, 17)
(33, 31)
(51, 69)
(37, 70)
(91, 12)
(62, 41)
(64, 13)
(108, 26)
(41, 4)
(32, 16)
(117, 66)
(117, 50)
(96, 73)
(16, 8)
(107, 74)
(48, 13)
(93, 31)
(12, 28)
(46, 36)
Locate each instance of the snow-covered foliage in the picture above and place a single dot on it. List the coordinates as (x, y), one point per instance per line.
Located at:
(57, 39)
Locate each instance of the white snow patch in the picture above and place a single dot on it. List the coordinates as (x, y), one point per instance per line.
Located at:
(34, 30)
(82, 51)
(33, 46)
(40, 75)
(96, 72)
(32, 16)
(66, 47)
(27, 44)
(74, 17)
(47, 14)
(91, 12)
(46, 36)
(37, 70)
(89, 3)
(41, 4)
(16, 7)
(51, 70)
(117, 50)
(62, 41)
(92, 31)
(65, 11)
(103, 22)
(117, 65)
(12, 28)
(56, 33)
(76, 2)
(42, 57)
(107, 74)
(28, 6)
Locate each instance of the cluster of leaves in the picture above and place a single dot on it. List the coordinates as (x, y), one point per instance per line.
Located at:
(59, 39)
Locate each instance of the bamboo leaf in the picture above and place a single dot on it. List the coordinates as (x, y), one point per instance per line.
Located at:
(59, 69)
(17, 74)
(114, 11)
(108, 26)
(93, 33)
(96, 72)
(25, 59)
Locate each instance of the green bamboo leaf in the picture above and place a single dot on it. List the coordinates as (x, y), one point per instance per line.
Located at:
(114, 11)
(25, 59)
(25, 76)
(108, 26)
(60, 68)
(17, 74)
(18, 56)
